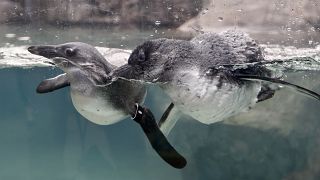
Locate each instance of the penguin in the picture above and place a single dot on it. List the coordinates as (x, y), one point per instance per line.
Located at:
(86, 72)
(211, 77)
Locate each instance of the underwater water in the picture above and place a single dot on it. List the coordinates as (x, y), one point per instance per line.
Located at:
(42, 136)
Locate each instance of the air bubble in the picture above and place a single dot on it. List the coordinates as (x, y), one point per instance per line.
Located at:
(10, 35)
(205, 11)
(157, 23)
(220, 18)
(24, 38)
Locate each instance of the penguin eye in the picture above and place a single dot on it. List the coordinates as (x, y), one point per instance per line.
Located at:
(141, 56)
(69, 52)
(137, 57)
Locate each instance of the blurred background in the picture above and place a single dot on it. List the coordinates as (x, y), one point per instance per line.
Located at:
(43, 137)
(285, 21)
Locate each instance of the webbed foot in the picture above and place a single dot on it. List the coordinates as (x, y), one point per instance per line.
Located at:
(158, 141)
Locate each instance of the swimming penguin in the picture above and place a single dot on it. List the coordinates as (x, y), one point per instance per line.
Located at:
(210, 78)
(86, 72)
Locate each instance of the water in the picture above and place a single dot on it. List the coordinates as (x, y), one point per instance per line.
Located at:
(43, 137)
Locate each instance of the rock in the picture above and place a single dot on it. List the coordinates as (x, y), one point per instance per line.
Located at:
(78, 12)
(312, 13)
(170, 12)
(257, 16)
(139, 13)
(9, 11)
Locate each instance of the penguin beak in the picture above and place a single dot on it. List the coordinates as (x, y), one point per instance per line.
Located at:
(45, 51)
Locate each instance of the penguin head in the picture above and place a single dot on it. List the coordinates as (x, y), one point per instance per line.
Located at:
(73, 55)
(147, 61)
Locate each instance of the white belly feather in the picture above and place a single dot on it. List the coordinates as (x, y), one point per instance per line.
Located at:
(200, 98)
(97, 110)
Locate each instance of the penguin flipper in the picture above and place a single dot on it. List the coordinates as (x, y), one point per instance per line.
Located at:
(53, 84)
(169, 119)
(158, 141)
(294, 87)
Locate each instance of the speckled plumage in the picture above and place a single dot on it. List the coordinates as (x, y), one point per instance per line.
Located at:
(189, 72)
(86, 71)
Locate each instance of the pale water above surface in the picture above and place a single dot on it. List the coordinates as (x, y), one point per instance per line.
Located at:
(43, 137)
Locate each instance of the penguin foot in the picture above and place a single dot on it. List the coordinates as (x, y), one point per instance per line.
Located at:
(144, 117)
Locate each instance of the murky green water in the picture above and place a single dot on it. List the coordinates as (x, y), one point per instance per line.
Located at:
(43, 137)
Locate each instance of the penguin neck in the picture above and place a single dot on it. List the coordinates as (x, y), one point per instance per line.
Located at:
(108, 67)
(99, 73)
(104, 64)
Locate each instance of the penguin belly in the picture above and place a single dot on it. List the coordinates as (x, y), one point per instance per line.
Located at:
(97, 109)
(206, 101)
